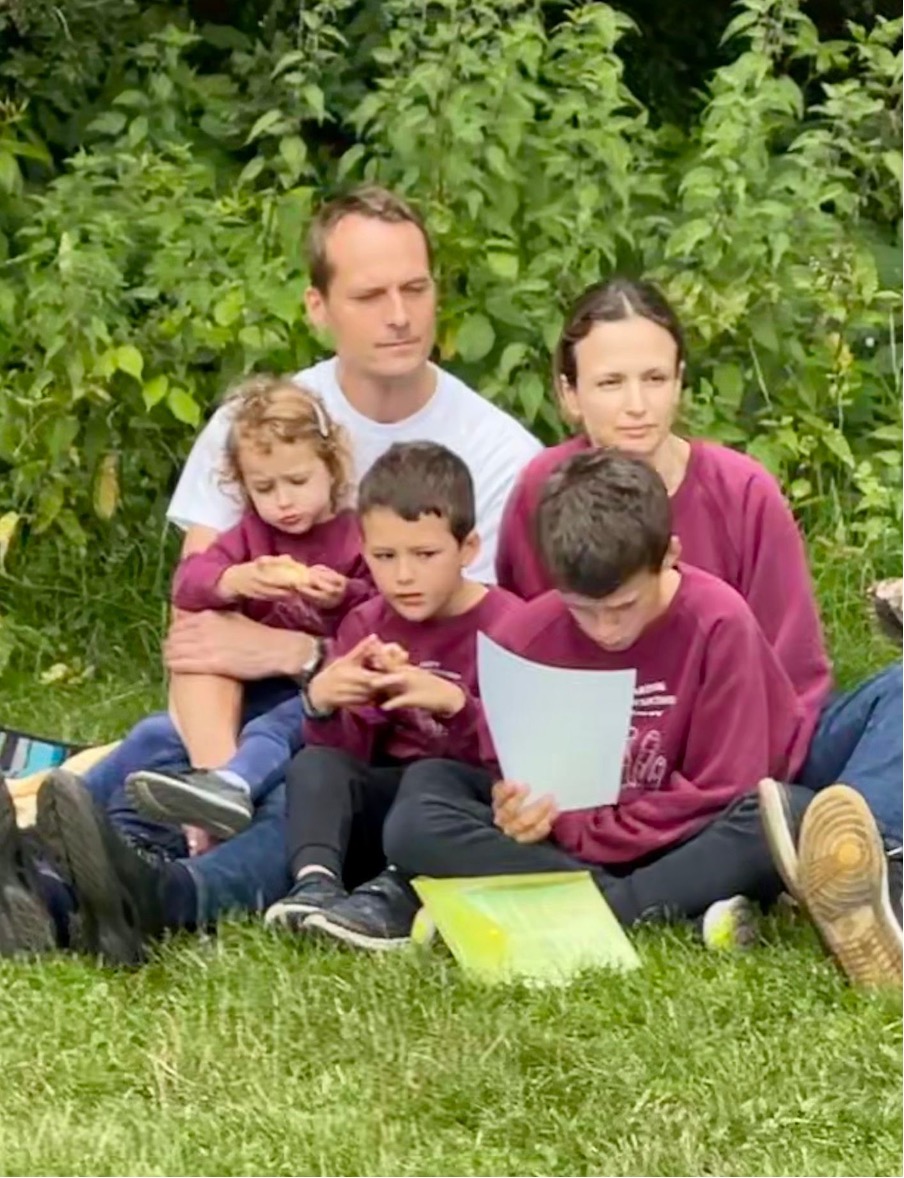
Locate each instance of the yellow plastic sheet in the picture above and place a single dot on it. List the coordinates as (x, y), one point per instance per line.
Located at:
(541, 929)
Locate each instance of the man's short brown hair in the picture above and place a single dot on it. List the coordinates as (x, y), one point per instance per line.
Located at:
(603, 517)
(421, 478)
(379, 204)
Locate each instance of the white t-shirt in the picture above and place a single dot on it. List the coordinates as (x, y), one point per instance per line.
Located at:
(494, 445)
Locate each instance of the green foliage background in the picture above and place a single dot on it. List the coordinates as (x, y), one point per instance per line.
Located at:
(159, 164)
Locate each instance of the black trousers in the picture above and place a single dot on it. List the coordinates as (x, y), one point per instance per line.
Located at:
(336, 809)
(442, 825)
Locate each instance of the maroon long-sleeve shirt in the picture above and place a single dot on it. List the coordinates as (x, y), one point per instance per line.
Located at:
(336, 543)
(714, 712)
(733, 521)
(445, 646)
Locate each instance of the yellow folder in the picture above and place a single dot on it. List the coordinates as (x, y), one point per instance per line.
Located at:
(541, 929)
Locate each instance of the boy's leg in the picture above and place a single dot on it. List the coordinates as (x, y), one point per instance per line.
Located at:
(859, 742)
(336, 809)
(442, 825)
(728, 857)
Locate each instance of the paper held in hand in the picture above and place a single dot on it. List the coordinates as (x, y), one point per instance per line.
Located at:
(557, 730)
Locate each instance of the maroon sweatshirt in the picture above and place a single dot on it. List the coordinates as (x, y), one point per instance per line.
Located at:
(733, 521)
(714, 712)
(335, 543)
(446, 646)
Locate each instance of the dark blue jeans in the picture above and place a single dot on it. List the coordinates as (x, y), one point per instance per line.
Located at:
(250, 871)
(858, 741)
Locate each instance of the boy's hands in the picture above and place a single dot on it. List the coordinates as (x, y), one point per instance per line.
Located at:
(414, 687)
(375, 671)
(530, 823)
(348, 681)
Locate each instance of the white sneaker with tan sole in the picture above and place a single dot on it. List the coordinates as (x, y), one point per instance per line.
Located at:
(842, 879)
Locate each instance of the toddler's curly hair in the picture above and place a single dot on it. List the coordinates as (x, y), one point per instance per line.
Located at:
(265, 409)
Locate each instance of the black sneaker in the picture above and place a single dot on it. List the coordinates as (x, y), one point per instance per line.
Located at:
(200, 798)
(26, 925)
(117, 889)
(378, 915)
(314, 892)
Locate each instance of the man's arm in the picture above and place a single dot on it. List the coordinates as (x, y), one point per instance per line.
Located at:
(198, 538)
(229, 644)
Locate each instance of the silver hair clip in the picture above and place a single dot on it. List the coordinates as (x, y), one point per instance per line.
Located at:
(323, 426)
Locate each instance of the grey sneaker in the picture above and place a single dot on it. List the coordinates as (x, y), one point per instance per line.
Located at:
(843, 878)
(200, 798)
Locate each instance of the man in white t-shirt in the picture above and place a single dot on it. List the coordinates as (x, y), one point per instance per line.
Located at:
(372, 291)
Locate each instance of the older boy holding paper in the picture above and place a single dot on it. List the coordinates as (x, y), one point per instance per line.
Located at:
(713, 713)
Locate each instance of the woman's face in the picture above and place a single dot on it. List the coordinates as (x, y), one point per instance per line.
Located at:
(628, 385)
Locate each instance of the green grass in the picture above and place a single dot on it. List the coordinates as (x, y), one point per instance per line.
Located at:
(247, 1055)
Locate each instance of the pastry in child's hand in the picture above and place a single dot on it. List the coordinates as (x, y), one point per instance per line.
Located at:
(285, 572)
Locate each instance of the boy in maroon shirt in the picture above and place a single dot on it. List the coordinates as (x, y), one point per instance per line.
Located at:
(714, 712)
(401, 686)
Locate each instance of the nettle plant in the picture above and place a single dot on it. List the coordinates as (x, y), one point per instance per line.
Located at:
(163, 257)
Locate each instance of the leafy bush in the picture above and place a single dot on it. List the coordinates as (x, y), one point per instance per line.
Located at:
(157, 186)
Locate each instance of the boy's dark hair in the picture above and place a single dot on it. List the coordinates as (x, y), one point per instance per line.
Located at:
(603, 517)
(421, 478)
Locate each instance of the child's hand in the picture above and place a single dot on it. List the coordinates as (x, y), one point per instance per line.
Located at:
(268, 578)
(530, 823)
(324, 586)
(347, 681)
(388, 657)
(413, 687)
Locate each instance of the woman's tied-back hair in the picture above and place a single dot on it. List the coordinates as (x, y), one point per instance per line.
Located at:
(266, 409)
(611, 302)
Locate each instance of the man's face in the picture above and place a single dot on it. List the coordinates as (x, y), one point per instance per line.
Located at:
(417, 565)
(380, 307)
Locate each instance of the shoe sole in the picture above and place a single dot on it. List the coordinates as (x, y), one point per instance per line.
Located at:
(779, 836)
(844, 885)
(280, 915)
(320, 924)
(25, 924)
(68, 826)
(160, 797)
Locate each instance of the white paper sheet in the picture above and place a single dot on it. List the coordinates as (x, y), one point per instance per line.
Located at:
(560, 731)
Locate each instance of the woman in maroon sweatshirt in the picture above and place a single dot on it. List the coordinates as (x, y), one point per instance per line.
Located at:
(618, 372)
(714, 712)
